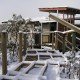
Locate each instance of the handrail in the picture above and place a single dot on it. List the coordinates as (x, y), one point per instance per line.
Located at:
(64, 32)
(65, 23)
(69, 31)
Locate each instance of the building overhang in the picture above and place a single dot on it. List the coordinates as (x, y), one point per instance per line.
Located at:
(65, 10)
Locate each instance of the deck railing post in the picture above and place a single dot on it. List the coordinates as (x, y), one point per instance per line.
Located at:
(73, 42)
(63, 45)
(25, 46)
(52, 40)
(41, 34)
(20, 46)
(56, 41)
(56, 34)
(4, 52)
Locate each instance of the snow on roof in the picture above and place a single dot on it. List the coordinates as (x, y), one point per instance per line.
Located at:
(43, 19)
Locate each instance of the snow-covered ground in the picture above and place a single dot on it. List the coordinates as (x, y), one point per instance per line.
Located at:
(52, 68)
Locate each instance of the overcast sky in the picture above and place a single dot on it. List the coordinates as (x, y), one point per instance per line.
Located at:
(29, 8)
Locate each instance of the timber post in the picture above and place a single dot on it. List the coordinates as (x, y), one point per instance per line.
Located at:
(24, 46)
(4, 52)
(20, 46)
(73, 42)
(63, 45)
(56, 40)
(52, 41)
(79, 71)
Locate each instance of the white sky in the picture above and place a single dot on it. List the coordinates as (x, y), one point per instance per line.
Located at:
(29, 8)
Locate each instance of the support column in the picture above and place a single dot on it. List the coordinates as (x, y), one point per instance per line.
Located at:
(63, 45)
(56, 34)
(66, 27)
(41, 34)
(67, 17)
(73, 38)
(49, 26)
(63, 15)
(70, 18)
(4, 52)
(57, 22)
(20, 46)
(49, 17)
(73, 18)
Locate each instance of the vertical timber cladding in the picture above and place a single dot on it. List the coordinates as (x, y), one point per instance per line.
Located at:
(49, 26)
(45, 36)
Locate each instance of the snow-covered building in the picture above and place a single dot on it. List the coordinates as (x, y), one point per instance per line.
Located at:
(46, 25)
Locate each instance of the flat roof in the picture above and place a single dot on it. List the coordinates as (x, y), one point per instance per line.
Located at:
(65, 10)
